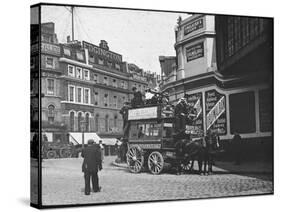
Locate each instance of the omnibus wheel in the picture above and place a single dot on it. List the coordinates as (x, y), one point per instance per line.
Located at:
(65, 153)
(155, 162)
(51, 154)
(135, 159)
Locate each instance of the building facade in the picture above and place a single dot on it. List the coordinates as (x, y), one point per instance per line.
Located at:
(51, 113)
(225, 65)
(194, 63)
(85, 86)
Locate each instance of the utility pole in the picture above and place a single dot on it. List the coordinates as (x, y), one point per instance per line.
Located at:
(72, 16)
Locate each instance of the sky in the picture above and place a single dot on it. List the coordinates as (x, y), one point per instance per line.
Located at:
(139, 36)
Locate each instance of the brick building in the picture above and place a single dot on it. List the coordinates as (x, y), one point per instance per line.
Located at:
(85, 86)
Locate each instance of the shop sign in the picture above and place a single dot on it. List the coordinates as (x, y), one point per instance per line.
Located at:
(194, 52)
(50, 48)
(147, 146)
(215, 112)
(198, 24)
(195, 100)
(143, 113)
(95, 50)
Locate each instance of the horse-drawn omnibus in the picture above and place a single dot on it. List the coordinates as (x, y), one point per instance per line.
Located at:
(152, 142)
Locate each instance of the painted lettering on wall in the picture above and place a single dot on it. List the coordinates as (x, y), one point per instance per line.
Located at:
(142, 113)
(193, 26)
(95, 50)
(195, 100)
(194, 52)
(215, 112)
(50, 48)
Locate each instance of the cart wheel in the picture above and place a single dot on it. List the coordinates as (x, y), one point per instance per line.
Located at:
(135, 159)
(65, 153)
(187, 166)
(51, 154)
(155, 162)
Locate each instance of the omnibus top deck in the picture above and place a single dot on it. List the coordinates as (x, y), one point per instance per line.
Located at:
(151, 127)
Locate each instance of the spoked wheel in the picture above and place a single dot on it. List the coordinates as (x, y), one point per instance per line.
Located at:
(65, 153)
(51, 154)
(155, 162)
(135, 159)
(187, 166)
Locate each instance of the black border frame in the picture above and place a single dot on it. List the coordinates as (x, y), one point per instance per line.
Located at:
(39, 205)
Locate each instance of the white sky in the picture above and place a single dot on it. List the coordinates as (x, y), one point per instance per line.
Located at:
(139, 36)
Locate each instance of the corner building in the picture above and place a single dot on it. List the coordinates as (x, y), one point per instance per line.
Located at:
(225, 64)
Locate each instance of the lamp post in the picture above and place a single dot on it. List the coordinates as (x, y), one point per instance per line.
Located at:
(83, 126)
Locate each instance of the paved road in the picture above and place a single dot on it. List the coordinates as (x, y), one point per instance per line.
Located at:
(63, 183)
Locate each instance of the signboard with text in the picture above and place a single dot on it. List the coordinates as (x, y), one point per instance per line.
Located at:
(143, 113)
(215, 112)
(146, 145)
(195, 100)
(194, 52)
(50, 49)
(198, 24)
(96, 50)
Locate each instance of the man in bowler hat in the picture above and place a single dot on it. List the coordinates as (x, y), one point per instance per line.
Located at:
(92, 163)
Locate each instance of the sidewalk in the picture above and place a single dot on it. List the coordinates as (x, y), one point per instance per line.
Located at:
(245, 168)
(229, 167)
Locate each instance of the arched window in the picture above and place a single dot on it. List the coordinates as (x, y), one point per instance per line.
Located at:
(87, 122)
(51, 114)
(71, 120)
(115, 121)
(79, 122)
(106, 123)
(97, 122)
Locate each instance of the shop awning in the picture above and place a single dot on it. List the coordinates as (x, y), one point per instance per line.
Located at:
(76, 137)
(110, 141)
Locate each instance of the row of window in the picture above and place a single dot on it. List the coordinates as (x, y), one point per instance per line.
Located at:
(240, 31)
(80, 125)
(101, 61)
(78, 54)
(83, 123)
(79, 94)
(78, 72)
(84, 74)
(82, 95)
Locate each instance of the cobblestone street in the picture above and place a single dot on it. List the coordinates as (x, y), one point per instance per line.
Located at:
(63, 183)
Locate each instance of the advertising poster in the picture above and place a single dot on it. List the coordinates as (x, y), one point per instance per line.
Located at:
(196, 102)
(215, 112)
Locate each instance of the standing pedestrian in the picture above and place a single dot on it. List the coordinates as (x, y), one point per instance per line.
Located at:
(101, 149)
(124, 113)
(237, 148)
(91, 165)
(137, 99)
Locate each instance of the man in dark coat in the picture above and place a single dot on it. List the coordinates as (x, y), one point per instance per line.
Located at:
(92, 163)
(137, 99)
(237, 148)
(180, 115)
(124, 113)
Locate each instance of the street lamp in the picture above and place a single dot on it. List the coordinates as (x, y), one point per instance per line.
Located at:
(83, 126)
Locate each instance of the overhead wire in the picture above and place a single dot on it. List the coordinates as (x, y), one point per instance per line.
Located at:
(66, 26)
(82, 26)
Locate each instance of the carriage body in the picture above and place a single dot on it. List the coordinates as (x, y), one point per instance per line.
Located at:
(151, 142)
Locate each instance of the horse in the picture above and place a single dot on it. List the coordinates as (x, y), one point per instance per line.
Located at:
(203, 150)
(207, 153)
